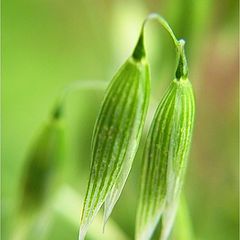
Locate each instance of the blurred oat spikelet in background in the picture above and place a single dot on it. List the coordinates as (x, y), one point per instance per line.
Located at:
(43, 165)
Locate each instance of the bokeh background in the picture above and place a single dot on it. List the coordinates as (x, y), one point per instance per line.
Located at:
(49, 44)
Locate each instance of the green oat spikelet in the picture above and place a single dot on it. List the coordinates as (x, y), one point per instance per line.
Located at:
(165, 155)
(42, 166)
(116, 136)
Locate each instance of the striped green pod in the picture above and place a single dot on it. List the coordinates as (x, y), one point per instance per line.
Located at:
(116, 136)
(165, 158)
(42, 165)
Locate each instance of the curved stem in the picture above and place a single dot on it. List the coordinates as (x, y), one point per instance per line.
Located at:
(164, 23)
(75, 86)
(139, 50)
(138, 54)
(182, 68)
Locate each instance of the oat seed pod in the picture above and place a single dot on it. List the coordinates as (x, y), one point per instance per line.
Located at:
(165, 155)
(42, 165)
(116, 136)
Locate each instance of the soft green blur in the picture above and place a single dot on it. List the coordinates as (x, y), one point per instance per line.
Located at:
(49, 44)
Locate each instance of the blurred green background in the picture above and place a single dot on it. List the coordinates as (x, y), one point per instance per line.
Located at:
(50, 43)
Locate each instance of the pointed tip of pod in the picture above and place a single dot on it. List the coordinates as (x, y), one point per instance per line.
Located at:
(82, 234)
(105, 218)
(139, 51)
(104, 225)
(57, 112)
(182, 67)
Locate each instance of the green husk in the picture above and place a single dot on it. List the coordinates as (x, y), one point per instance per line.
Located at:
(116, 136)
(165, 158)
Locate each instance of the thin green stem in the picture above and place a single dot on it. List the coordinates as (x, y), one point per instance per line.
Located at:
(182, 68)
(139, 51)
(164, 23)
(75, 86)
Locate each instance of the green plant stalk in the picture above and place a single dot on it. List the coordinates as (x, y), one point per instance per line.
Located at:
(182, 68)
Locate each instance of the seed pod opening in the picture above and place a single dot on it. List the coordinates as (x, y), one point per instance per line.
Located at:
(116, 135)
(164, 160)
